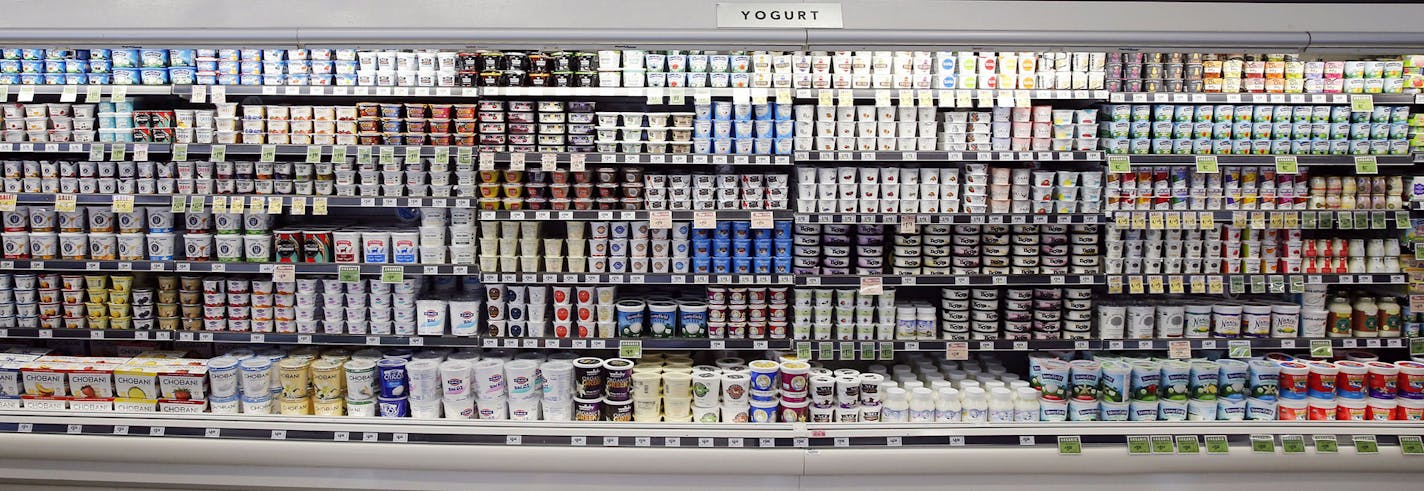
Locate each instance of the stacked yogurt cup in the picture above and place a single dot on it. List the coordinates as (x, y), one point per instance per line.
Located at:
(637, 132)
(865, 128)
(741, 128)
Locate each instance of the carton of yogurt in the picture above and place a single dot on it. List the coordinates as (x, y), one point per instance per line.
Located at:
(45, 379)
(92, 381)
(135, 382)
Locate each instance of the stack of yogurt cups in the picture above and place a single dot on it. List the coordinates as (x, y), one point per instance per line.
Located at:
(603, 389)
(437, 228)
(518, 311)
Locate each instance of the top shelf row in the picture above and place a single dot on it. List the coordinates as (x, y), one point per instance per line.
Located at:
(672, 95)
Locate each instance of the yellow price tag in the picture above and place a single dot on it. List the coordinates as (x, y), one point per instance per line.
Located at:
(1134, 285)
(1207, 220)
(1139, 220)
(845, 97)
(1154, 284)
(64, 203)
(1156, 221)
(1174, 221)
(123, 203)
(238, 204)
(1174, 285)
(319, 206)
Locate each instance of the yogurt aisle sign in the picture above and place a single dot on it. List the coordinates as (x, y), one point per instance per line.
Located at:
(779, 15)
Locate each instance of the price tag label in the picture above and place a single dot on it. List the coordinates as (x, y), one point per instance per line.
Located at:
(1366, 444)
(1321, 348)
(1070, 445)
(313, 154)
(1411, 445)
(632, 349)
(1187, 444)
(388, 155)
(392, 274)
(1162, 444)
(219, 204)
(319, 206)
(1293, 444)
(1207, 164)
(217, 153)
(1287, 164)
(116, 152)
(1134, 285)
(1326, 444)
(92, 93)
(1362, 103)
(847, 351)
(803, 351)
(1179, 349)
(845, 97)
(1238, 349)
(1119, 164)
(123, 203)
(761, 220)
(237, 205)
(1217, 444)
(1366, 164)
(872, 285)
(867, 351)
(956, 350)
(516, 161)
(1263, 444)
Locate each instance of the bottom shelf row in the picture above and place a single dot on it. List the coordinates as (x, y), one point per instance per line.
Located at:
(674, 387)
